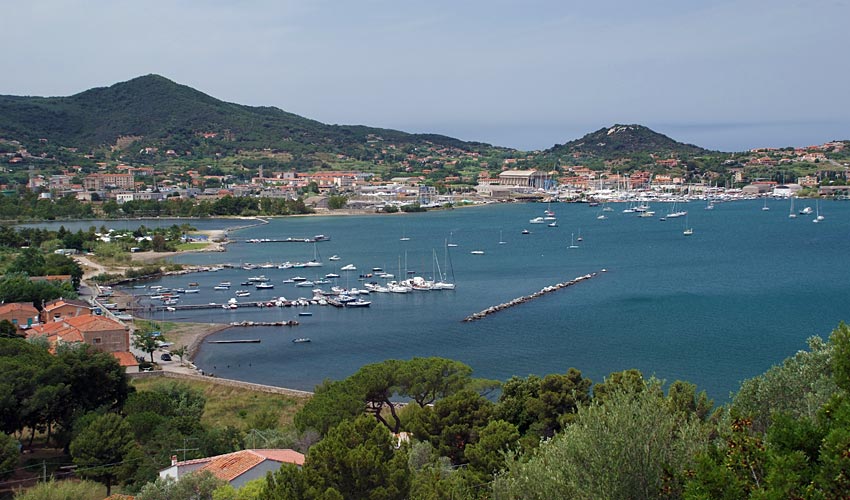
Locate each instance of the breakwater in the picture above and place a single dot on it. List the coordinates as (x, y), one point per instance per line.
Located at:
(525, 298)
(264, 323)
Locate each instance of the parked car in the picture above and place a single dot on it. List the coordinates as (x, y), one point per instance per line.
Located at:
(165, 356)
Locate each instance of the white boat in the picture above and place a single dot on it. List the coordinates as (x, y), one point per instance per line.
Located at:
(501, 241)
(331, 275)
(357, 303)
(221, 287)
(765, 208)
(553, 224)
(688, 232)
(348, 267)
(242, 293)
(305, 283)
(572, 242)
(449, 241)
(806, 211)
(333, 257)
(263, 286)
(192, 290)
(170, 309)
(301, 340)
(537, 220)
(477, 252)
(791, 214)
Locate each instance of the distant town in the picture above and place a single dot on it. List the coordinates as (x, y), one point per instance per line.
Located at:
(431, 179)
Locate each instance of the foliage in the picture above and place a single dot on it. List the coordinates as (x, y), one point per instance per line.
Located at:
(543, 406)
(799, 386)
(9, 455)
(62, 490)
(147, 341)
(42, 392)
(101, 449)
(357, 459)
(18, 288)
(337, 202)
(630, 446)
(371, 388)
(194, 486)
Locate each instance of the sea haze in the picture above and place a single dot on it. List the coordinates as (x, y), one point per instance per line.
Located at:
(740, 295)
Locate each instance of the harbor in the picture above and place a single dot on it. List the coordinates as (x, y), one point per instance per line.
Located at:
(667, 302)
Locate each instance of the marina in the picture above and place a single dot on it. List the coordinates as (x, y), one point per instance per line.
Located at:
(739, 295)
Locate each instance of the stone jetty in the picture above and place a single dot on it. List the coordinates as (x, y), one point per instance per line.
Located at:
(525, 298)
(264, 323)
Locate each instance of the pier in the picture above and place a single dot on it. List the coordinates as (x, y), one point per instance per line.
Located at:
(525, 298)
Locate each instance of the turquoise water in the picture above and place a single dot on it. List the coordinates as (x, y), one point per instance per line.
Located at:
(741, 294)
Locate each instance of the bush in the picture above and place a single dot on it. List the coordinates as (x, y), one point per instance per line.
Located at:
(62, 490)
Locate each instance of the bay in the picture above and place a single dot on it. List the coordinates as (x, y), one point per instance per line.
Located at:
(740, 295)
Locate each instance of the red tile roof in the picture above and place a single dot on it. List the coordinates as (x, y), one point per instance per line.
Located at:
(125, 359)
(233, 465)
(92, 323)
(18, 306)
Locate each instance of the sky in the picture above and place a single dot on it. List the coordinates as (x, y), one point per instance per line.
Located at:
(725, 75)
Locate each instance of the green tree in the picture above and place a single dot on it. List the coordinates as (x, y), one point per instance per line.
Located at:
(9, 455)
(452, 423)
(147, 340)
(100, 450)
(8, 330)
(630, 446)
(357, 459)
(193, 486)
(337, 202)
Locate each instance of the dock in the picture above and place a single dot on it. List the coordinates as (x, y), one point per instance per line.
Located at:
(525, 298)
(264, 323)
(238, 341)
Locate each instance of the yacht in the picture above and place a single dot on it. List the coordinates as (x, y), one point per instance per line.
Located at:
(537, 220)
(263, 286)
(348, 267)
(477, 252)
(333, 257)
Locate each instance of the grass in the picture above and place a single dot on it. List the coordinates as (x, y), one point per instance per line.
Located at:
(234, 405)
(182, 247)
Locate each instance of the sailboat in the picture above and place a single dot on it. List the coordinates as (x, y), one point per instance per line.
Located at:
(579, 235)
(791, 214)
(688, 230)
(441, 283)
(501, 241)
(818, 216)
(449, 241)
(572, 242)
(403, 237)
(765, 208)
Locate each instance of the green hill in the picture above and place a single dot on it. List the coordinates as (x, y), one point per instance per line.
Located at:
(161, 112)
(621, 141)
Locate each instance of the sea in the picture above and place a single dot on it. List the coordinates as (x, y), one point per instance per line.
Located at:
(714, 308)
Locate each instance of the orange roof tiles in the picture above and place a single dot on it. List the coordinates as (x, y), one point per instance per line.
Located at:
(18, 306)
(233, 465)
(125, 358)
(91, 323)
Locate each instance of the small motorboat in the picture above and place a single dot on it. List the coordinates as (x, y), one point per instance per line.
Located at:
(526, 231)
(300, 340)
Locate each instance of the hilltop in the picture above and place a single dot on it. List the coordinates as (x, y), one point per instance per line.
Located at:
(152, 110)
(624, 140)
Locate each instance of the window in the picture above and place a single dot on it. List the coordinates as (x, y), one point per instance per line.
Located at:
(98, 340)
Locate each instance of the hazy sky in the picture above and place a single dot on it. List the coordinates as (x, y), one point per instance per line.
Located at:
(726, 75)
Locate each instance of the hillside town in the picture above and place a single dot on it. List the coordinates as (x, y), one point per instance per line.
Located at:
(433, 177)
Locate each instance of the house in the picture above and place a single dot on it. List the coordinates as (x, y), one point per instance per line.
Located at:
(236, 468)
(103, 333)
(60, 308)
(524, 178)
(127, 361)
(21, 314)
